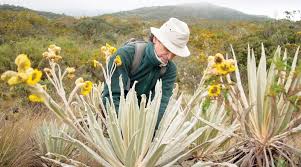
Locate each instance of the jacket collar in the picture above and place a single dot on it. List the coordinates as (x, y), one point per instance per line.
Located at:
(161, 62)
(151, 55)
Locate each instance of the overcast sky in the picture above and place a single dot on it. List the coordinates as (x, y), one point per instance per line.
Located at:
(271, 8)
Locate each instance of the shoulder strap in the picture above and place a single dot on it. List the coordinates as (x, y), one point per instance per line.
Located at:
(139, 49)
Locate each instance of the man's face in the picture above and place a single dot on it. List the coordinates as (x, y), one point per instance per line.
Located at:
(163, 53)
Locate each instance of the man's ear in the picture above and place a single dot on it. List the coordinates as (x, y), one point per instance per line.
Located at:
(155, 39)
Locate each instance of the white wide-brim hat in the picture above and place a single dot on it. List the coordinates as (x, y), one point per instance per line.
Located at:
(174, 35)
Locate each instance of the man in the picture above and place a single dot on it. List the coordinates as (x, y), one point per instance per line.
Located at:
(165, 43)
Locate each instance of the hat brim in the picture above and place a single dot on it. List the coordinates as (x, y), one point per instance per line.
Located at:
(182, 52)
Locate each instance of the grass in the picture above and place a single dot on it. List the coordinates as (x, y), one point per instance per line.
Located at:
(17, 147)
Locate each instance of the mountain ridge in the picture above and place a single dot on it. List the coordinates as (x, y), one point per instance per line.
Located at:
(49, 15)
(188, 11)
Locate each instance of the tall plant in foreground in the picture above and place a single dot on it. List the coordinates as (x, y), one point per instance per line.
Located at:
(214, 111)
(126, 140)
(269, 114)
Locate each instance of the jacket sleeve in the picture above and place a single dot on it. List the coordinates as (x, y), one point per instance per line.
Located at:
(168, 80)
(126, 55)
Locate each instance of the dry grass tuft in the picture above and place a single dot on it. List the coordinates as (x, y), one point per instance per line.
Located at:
(17, 147)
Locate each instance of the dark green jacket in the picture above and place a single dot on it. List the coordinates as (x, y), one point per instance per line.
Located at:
(147, 75)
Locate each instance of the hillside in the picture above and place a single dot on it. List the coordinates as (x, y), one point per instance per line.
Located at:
(48, 15)
(190, 11)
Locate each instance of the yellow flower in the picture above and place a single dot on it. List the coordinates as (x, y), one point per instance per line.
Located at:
(218, 58)
(34, 77)
(13, 80)
(55, 49)
(35, 98)
(7, 75)
(118, 61)
(23, 62)
(95, 63)
(17, 79)
(70, 70)
(86, 88)
(112, 50)
(56, 58)
(214, 90)
(299, 32)
(22, 76)
(46, 55)
(51, 55)
(108, 49)
(47, 70)
(225, 68)
(20, 59)
(79, 81)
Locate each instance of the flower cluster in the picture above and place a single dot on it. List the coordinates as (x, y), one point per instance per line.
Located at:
(53, 56)
(118, 61)
(86, 86)
(24, 74)
(53, 53)
(219, 66)
(108, 50)
(70, 72)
